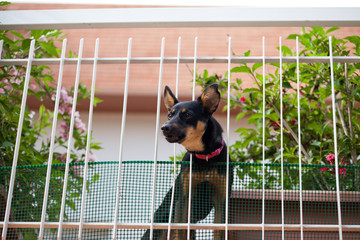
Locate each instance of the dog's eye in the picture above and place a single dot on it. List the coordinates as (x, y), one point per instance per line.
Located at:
(187, 115)
(170, 115)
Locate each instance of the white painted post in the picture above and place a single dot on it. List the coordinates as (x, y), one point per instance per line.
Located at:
(123, 120)
(299, 137)
(333, 98)
(156, 137)
(73, 110)
(175, 174)
(88, 140)
(18, 138)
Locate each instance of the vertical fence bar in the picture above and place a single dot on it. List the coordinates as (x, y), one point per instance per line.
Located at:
(333, 98)
(299, 137)
(156, 137)
(195, 62)
(191, 155)
(73, 110)
(123, 120)
(91, 107)
(1, 47)
(281, 144)
(52, 141)
(174, 179)
(228, 143)
(18, 138)
(263, 146)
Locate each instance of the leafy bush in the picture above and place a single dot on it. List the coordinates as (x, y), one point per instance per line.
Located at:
(34, 146)
(315, 107)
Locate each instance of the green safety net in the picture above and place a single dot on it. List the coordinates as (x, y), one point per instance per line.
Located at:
(245, 205)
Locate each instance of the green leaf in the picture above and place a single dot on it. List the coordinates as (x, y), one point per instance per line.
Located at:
(95, 145)
(4, 3)
(354, 39)
(332, 29)
(37, 34)
(50, 48)
(7, 144)
(95, 178)
(316, 143)
(255, 116)
(244, 69)
(286, 85)
(71, 204)
(26, 44)
(250, 90)
(240, 115)
(256, 66)
(246, 54)
(41, 110)
(17, 34)
(96, 101)
(293, 36)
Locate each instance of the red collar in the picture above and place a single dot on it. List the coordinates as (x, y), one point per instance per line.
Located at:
(211, 155)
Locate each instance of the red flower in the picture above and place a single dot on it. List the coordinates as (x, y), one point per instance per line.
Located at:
(293, 122)
(323, 169)
(242, 99)
(342, 171)
(276, 125)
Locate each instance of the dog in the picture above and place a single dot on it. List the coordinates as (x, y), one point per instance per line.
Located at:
(192, 125)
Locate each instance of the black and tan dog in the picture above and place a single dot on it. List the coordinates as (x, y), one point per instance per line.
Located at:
(191, 124)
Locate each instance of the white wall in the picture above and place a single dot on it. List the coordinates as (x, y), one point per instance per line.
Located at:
(139, 136)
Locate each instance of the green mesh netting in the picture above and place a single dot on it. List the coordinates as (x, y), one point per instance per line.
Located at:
(319, 199)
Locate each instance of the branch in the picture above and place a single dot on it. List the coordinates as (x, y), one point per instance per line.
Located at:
(343, 124)
(286, 125)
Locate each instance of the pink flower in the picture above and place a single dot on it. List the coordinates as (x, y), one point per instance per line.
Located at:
(330, 158)
(242, 99)
(61, 157)
(32, 86)
(8, 85)
(65, 109)
(79, 124)
(323, 169)
(91, 157)
(63, 135)
(64, 132)
(2, 90)
(64, 97)
(65, 126)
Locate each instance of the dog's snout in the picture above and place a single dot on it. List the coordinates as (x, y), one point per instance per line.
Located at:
(165, 128)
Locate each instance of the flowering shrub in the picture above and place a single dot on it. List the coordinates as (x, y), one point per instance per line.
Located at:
(317, 136)
(35, 143)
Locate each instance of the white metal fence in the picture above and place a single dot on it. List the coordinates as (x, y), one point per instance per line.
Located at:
(162, 18)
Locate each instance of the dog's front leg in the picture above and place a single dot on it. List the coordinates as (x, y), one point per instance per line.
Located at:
(182, 206)
(219, 199)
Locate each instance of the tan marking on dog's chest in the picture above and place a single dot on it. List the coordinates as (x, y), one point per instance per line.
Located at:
(193, 141)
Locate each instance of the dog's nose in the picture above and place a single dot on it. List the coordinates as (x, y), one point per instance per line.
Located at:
(165, 128)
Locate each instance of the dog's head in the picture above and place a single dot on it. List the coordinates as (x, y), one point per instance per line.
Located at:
(187, 121)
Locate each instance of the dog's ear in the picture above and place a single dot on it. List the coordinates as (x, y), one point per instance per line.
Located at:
(210, 98)
(169, 98)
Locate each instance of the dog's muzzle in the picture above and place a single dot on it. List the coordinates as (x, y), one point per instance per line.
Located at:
(171, 134)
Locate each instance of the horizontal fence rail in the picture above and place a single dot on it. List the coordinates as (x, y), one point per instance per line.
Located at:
(179, 17)
(197, 226)
(173, 60)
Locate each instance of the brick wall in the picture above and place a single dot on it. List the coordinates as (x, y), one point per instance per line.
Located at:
(147, 42)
